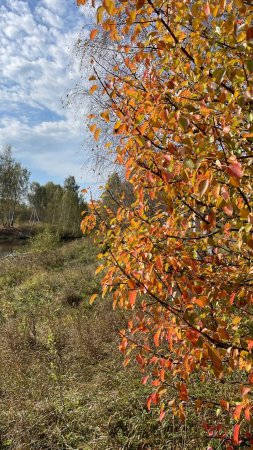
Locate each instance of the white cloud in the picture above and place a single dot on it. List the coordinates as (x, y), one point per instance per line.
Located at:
(36, 39)
(57, 6)
(60, 150)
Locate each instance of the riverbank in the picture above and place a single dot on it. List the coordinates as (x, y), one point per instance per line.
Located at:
(13, 233)
(27, 231)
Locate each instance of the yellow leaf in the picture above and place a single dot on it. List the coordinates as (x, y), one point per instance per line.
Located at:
(236, 320)
(99, 269)
(109, 6)
(93, 298)
(100, 14)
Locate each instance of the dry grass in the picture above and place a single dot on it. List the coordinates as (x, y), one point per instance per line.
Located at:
(62, 384)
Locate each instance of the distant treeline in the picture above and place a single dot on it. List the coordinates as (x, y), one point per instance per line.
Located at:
(22, 201)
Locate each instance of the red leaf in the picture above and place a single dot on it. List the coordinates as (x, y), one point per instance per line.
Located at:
(249, 34)
(231, 299)
(247, 413)
(235, 169)
(140, 359)
(207, 9)
(145, 379)
(162, 414)
(236, 433)
(245, 390)
(228, 209)
(153, 398)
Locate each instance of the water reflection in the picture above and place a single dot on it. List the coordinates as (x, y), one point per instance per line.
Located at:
(12, 247)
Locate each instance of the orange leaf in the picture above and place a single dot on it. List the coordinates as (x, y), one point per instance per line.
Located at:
(159, 263)
(156, 338)
(105, 116)
(132, 297)
(97, 134)
(162, 413)
(215, 358)
(183, 392)
(202, 301)
(93, 34)
(224, 404)
(131, 284)
(93, 127)
(143, 128)
(203, 187)
(250, 344)
(93, 88)
(237, 412)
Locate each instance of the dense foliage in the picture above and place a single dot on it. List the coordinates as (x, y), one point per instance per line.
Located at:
(178, 94)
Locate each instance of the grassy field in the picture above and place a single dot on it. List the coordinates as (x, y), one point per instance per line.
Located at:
(62, 382)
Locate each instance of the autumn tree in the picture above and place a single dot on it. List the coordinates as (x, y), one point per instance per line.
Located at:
(180, 102)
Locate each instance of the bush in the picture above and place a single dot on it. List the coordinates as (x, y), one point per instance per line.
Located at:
(45, 241)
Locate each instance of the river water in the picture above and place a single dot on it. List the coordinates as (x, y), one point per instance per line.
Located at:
(12, 247)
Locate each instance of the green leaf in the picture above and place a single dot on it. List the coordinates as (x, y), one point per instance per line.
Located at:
(218, 74)
(249, 65)
(184, 123)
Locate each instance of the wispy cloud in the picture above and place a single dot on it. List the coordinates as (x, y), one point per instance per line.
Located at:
(37, 38)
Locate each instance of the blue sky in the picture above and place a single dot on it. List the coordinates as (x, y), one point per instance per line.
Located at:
(37, 70)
